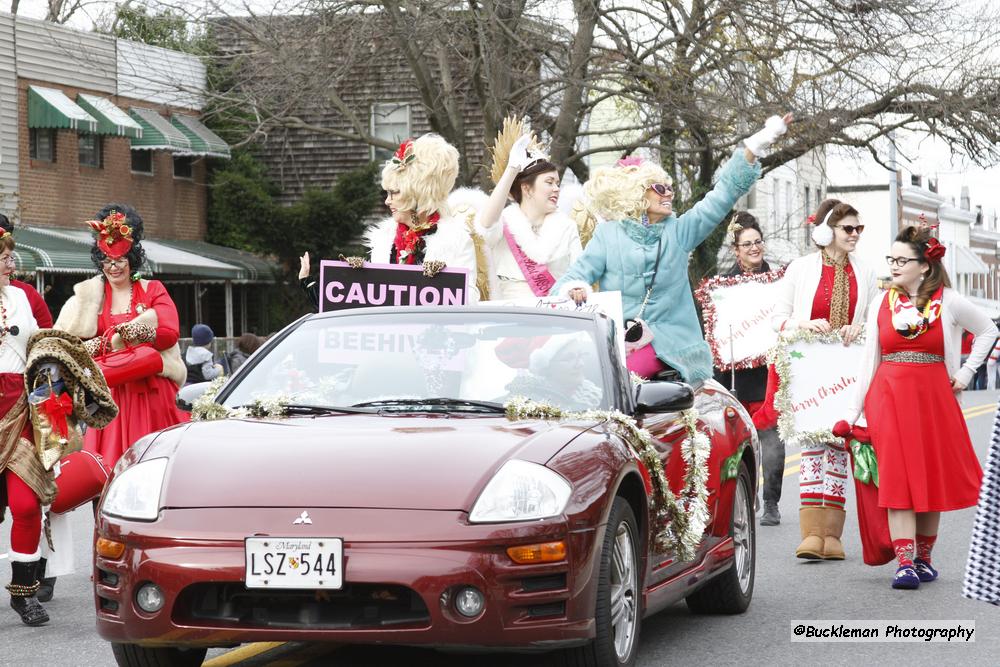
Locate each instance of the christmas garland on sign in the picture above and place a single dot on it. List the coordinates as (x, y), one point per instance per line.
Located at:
(781, 359)
(709, 317)
(680, 520)
(205, 408)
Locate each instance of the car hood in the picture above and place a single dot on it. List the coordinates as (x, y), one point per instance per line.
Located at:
(435, 462)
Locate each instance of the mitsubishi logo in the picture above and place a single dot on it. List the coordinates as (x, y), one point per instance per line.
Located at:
(302, 518)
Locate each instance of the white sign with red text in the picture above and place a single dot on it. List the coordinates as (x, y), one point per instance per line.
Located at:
(823, 378)
(737, 312)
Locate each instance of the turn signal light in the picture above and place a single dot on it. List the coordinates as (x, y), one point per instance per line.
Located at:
(547, 552)
(109, 548)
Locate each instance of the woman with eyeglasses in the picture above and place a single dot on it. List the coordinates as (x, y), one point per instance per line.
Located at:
(117, 307)
(908, 389)
(643, 251)
(828, 290)
(749, 385)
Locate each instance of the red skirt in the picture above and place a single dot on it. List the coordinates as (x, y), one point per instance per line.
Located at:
(143, 407)
(925, 457)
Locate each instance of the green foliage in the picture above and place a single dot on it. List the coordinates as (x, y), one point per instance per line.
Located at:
(241, 206)
(163, 28)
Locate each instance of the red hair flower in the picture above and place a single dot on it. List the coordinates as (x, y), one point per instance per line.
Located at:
(935, 251)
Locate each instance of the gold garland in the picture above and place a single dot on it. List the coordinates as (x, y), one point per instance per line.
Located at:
(782, 397)
(680, 520)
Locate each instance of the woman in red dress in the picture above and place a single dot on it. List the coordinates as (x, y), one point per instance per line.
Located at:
(911, 378)
(119, 306)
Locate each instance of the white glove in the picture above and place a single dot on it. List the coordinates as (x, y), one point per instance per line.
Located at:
(760, 143)
(518, 158)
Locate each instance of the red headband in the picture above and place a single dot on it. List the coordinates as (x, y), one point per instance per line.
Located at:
(114, 237)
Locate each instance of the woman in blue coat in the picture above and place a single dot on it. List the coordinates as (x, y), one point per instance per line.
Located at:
(643, 250)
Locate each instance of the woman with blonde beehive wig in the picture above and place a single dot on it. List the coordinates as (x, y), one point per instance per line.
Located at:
(642, 251)
(426, 226)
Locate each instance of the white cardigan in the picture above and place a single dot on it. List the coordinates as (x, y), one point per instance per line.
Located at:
(797, 290)
(958, 314)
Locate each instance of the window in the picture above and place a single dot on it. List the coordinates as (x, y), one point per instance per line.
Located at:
(184, 167)
(789, 206)
(90, 150)
(42, 144)
(392, 123)
(805, 203)
(752, 197)
(142, 162)
(915, 180)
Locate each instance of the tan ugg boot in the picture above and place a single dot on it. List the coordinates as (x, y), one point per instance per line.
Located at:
(833, 528)
(811, 527)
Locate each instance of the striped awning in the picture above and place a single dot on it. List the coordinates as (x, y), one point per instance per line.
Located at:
(49, 108)
(157, 132)
(110, 119)
(204, 142)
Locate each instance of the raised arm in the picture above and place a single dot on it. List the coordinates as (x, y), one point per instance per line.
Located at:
(518, 160)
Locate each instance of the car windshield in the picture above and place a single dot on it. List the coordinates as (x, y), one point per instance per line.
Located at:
(431, 361)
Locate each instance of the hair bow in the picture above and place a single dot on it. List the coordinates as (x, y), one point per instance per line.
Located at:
(629, 161)
(935, 250)
(404, 155)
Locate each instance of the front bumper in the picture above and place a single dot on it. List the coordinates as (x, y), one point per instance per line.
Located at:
(395, 592)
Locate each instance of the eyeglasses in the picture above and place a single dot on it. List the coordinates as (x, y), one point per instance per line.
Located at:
(117, 263)
(746, 245)
(661, 188)
(900, 261)
(850, 229)
(9, 260)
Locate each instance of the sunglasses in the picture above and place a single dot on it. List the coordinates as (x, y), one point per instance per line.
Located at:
(850, 229)
(661, 188)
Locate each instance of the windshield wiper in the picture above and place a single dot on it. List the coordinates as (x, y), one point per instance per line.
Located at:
(454, 403)
(305, 409)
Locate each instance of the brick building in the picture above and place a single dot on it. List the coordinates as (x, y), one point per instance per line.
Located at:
(87, 119)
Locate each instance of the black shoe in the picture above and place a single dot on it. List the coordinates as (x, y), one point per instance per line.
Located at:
(771, 516)
(46, 585)
(23, 586)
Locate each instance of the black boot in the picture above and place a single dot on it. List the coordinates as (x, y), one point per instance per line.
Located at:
(45, 584)
(23, 587)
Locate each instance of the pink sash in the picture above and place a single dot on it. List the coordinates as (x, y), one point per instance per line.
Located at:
(539, 279)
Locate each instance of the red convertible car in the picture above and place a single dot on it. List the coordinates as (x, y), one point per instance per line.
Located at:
(367, 486)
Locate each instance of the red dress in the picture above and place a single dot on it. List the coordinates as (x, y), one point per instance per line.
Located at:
(145, 405)
(925, 458)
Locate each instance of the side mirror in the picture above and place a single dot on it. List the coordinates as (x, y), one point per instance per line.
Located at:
(654, 397)
(189, 394)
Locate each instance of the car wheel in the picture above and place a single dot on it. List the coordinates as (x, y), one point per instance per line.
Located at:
(731, 591)
(618, 615)
(133, 655)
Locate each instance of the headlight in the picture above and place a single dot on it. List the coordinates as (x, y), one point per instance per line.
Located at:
(521, 491)
(135, 493)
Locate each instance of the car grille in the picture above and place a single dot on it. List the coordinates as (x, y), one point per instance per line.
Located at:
(356, 606)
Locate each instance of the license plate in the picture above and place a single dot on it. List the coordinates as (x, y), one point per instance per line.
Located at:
(294, 562)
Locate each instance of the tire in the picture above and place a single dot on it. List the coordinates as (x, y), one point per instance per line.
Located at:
(133, 655)
(618, 588)
(732, 591)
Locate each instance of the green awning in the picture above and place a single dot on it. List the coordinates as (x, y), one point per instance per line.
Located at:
(64, 250)
(157, 132)
(110, 119)
(254, 268)
(50, 108)
(204, 142)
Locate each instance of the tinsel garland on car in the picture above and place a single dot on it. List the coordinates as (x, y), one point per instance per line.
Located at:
(205, 408)
(781, 359)
(681, 520)
(704, 296)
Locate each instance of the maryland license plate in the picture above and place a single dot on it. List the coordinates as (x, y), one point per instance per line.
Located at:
(294, 562)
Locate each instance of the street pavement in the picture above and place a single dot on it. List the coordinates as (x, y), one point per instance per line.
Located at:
(787, 589)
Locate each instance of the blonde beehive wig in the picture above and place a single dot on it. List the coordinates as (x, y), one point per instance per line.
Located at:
(619, 192)
(424, 181)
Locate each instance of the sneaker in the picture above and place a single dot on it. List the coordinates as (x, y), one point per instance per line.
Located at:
(925, 570)
(906, 578)
(771, 516)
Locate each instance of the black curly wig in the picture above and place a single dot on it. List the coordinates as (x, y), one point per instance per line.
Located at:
(136, 255)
